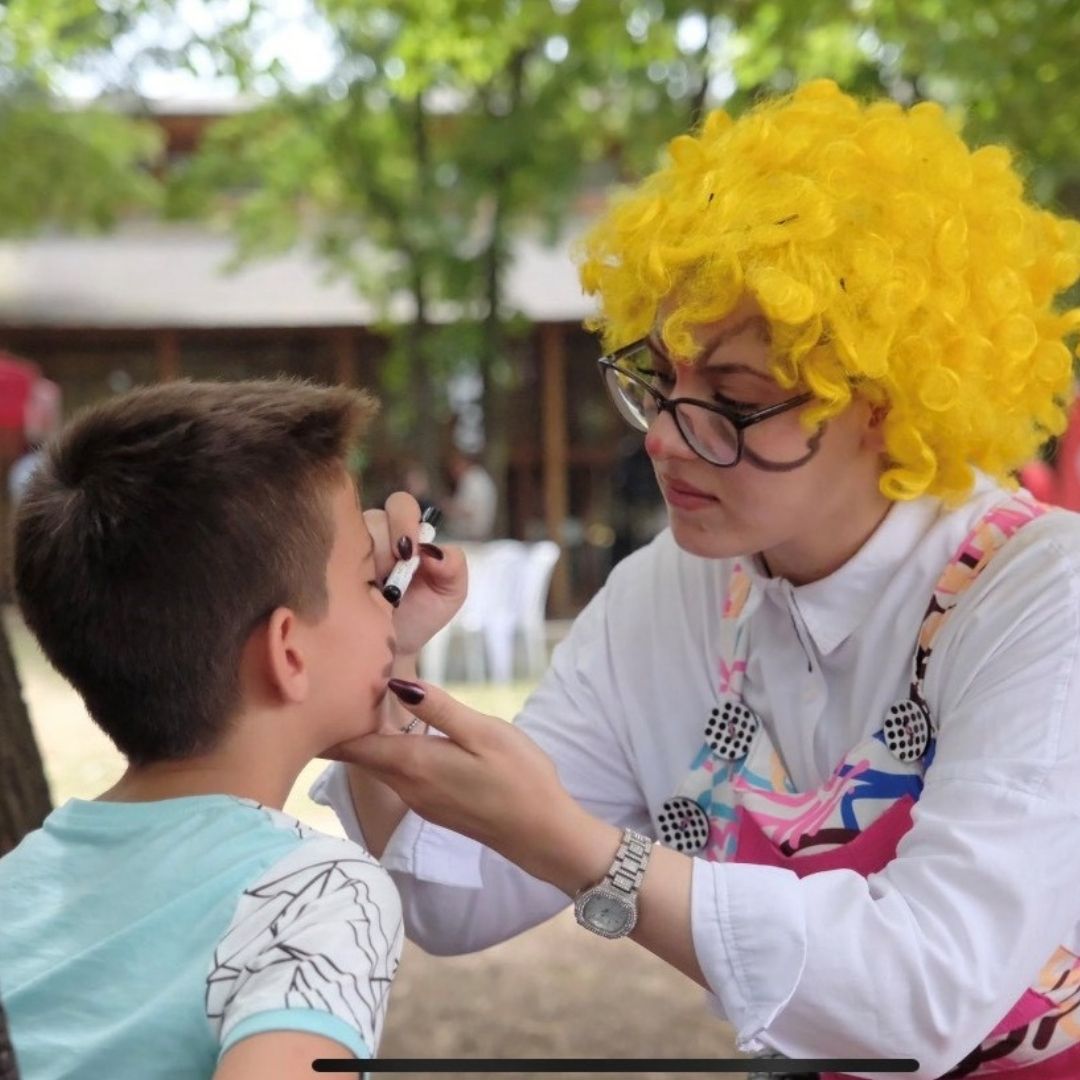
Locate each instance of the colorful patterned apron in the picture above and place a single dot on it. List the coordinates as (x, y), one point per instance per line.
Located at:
(737, 803)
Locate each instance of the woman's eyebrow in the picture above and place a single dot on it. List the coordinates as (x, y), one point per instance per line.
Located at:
(736, 369)
(717, 369)
(755, 322)
(751, 322)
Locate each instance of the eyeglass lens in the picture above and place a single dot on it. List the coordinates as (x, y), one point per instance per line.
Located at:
(634, 387)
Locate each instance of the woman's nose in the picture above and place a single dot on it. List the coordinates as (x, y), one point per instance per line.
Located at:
(664, 440)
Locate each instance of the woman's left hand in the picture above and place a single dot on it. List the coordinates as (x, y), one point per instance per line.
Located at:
(439, 587)
(486, 780)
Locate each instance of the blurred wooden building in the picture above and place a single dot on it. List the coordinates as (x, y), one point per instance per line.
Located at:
(154, 301)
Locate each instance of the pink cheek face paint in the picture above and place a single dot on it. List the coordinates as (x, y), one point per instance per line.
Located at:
(404, 569)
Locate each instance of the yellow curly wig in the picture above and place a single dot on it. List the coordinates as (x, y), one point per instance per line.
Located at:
(891, 260)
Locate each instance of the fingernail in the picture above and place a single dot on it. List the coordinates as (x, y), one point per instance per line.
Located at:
(434, 551)
(392, 593)
(409, 692)
(404, 546)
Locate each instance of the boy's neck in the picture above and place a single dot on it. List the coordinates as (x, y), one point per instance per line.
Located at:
(232, 770)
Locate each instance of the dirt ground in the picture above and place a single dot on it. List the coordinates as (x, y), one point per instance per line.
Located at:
(556, 991)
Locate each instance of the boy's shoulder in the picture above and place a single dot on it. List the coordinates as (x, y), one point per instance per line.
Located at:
(331, 861)
(322, 924)
(242, 918)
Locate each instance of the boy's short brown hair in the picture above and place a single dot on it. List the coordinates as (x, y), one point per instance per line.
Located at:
(162, 527)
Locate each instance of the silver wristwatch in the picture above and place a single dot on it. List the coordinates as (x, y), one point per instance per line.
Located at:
(610, 908)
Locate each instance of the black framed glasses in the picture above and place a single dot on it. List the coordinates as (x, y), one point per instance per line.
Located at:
(717, 433)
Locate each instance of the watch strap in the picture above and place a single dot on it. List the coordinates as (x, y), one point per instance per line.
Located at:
(628, 868)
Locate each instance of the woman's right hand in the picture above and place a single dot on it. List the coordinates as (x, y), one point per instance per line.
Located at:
(489, 781)
(437, 591)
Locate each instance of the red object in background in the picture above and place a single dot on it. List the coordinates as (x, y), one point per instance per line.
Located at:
(29, 405)
(17, 377)
(1041, 480)
(1067, 465)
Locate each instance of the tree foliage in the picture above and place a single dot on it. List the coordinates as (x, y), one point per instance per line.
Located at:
(75, 169)
(1012, 66)
(78, 167)
(443, 127)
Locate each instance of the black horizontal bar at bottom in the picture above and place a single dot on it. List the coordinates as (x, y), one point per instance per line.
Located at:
(616, 1065)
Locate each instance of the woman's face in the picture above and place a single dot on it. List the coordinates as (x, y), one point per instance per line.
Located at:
(791, 517)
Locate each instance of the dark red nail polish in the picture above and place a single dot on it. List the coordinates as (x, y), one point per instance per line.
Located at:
(404, 547)
(411, 693)
(433, 550)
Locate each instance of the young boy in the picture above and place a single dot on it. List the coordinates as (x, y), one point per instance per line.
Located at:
(193, 558)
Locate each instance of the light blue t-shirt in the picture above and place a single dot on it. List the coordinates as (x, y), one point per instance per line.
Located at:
(139, 941)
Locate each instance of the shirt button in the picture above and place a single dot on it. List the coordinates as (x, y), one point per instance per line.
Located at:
(684, 825)
(730, 729)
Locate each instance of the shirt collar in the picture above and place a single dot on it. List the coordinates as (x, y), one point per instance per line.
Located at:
(832, 608)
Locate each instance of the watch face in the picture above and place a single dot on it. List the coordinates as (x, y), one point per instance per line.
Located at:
(607, 914)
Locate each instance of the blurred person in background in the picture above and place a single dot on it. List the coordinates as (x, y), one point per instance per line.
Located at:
(40, 420)
(22, 471)
(417, 483)
(842, 689)
(473, 504)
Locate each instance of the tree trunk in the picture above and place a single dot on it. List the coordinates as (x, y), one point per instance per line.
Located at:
(24, 792)
(496, 394)
(425, 441)
(699, 101)
(495, 399)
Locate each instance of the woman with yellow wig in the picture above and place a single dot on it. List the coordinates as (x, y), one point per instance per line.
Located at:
(817, 746)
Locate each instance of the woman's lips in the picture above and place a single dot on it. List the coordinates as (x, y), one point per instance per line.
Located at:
(686, 496)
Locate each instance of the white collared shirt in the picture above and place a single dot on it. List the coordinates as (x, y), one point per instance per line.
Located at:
(921, 960)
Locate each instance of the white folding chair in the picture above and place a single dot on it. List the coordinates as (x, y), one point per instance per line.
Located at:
(488, 619)
(433, 656)
(532, 620)
(499, 604)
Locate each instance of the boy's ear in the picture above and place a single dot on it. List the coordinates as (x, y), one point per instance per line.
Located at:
(286, 663)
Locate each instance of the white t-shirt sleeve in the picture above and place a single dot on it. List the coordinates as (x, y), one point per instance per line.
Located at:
(313, 946)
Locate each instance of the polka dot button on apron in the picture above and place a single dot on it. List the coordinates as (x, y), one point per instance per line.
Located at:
(730, 729)
(906, 730)
(684, 825)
